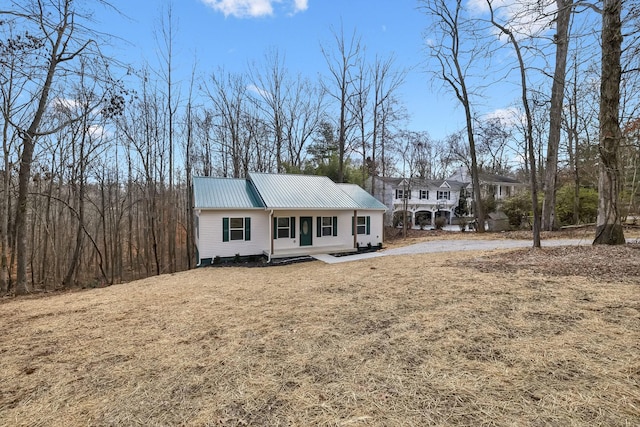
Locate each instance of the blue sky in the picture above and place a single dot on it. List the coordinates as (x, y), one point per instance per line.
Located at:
(233, 33)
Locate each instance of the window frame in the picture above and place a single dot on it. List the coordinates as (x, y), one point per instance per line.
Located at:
(403, 193)
(238, 231)
(327, 229)
(446, 193)
(284, 229)
(362, 225)
(425, 193)
(326, 226)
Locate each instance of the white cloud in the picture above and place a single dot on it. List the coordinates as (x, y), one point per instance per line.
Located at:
(253, 8)
(64, 105)
(98, 131)
(507, 116)
(258, 91)
(300, 5)
(524, 17)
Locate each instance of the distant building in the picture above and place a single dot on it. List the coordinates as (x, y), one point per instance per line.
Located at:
(498, 186)
(426, 199)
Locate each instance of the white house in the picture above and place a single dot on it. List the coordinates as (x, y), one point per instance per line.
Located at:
(423, 199)
(281, 215)
(499, 186)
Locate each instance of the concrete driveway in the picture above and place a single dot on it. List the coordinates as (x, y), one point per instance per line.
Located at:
(435, 246)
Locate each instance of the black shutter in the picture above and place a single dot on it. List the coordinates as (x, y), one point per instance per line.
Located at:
(225, 229)
(368, 225)
(292, 225)
(353, 219)
(247, 228)
(319, 226)
(335, 225)
(275, 227)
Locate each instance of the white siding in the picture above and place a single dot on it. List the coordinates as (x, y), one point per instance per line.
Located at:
(210, 242)
(344, 239)
(375, 229)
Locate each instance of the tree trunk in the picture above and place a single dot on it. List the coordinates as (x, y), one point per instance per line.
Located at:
(555, 115)
(608, 226)
(529, 127)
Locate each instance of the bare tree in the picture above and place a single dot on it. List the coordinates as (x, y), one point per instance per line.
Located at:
(271, 86)
(359, 105)
(493, 138)
(529, 123)
(63, 40)
(14, 58)
(454, 59)
(386, 82)
(165, 40)
(228, 94)
(341, 65)
(304, 110)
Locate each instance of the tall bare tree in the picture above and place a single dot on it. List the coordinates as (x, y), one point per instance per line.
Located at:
(165, 40)
(454, 56)
(529, 122)
(272, 89)
(341, 64)
(386, 81)
(63, 40)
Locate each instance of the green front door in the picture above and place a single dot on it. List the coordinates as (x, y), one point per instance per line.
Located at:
(306, 231)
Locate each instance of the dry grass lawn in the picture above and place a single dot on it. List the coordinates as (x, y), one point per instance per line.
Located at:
(467, 339)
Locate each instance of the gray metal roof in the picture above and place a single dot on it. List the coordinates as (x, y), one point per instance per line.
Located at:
(283, 191)
(361, 197)
(225, 193)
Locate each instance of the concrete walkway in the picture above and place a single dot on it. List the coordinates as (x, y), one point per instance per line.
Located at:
(436, 246)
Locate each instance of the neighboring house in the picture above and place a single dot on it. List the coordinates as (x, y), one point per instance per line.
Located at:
(499, 186)
(423, 199)
(280, 215)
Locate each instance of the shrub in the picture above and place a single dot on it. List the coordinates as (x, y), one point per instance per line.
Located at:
(217, 260)
(565, 209)
(440, 222)
(489, 204)
(516, 208)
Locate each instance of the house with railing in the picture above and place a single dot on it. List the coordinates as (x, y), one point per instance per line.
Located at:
(499, 187)
(421, 201)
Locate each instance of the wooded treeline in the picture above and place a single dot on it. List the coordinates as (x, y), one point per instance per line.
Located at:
(98, 155)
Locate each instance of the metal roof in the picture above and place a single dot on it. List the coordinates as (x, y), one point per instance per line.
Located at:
(225, 193)
(361, 197)
(283, 191)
